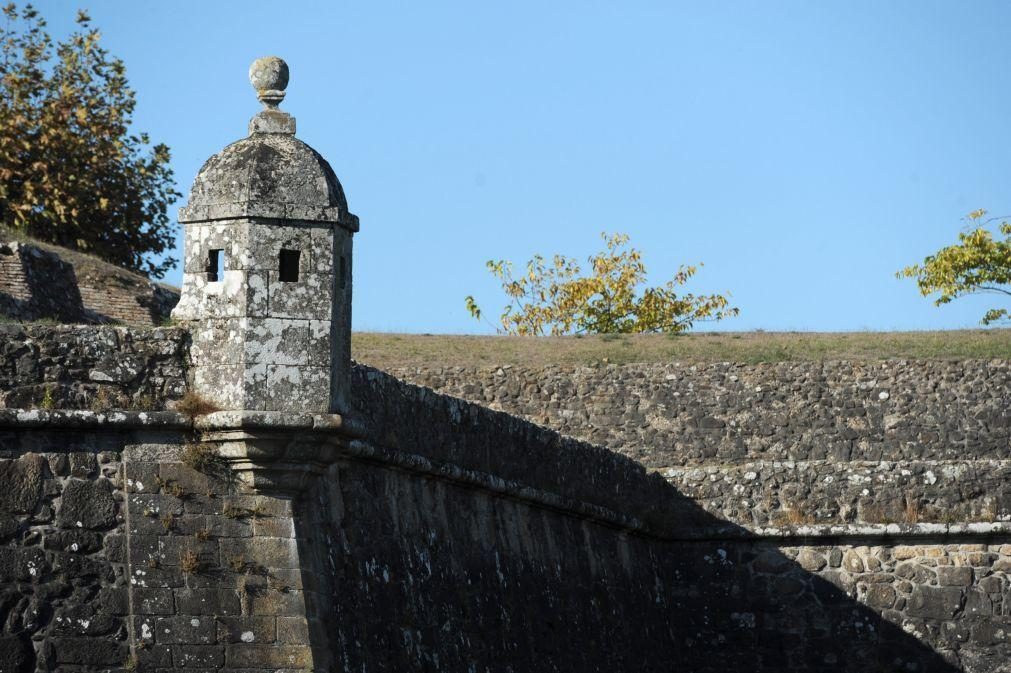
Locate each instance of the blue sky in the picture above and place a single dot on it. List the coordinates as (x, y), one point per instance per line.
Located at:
(804, 151)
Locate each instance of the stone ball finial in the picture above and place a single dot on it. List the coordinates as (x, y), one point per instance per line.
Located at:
(269, 76)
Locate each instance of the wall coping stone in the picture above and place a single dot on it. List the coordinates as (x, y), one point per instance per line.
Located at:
(173, 420)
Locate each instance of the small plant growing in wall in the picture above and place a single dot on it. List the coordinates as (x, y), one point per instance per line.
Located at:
(103, 400)
(259, 511)
(911, 513)
(199, 456)
(176, 489)
(193, 405)
(145, 402)
(204, 458)
(168, 521)
(189, 562)
(204, 534)
(47, 399)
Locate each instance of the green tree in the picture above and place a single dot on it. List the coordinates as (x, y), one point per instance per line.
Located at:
(71, 171)
(980, 263)
(555, 298)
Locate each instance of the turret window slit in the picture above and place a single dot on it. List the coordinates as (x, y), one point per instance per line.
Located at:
(288, 266)
(215, 265)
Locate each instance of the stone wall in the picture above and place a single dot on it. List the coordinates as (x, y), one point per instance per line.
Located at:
(118, 555)
(45, 282)
(667, 415)
(790, 443)
(447, 536)
(494, 540)
(87, 367)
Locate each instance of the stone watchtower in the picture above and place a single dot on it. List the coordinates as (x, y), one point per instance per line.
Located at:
(267, 273)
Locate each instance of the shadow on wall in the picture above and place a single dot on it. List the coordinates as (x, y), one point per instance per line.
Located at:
(462, 539)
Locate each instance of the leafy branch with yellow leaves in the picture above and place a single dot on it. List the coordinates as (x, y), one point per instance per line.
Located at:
(554, 297)
(980, 263)
(72, 170)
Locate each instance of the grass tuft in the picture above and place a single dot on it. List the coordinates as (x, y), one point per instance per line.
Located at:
(194, 405)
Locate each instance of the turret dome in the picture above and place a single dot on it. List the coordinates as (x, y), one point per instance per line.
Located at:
(271, 173)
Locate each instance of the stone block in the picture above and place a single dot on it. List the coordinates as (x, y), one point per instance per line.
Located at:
(273, 527)
(89, 651)
(153, 601)
(270, 656)
(75, 541)
(277, 603)
(954, 576)
(182, 629)
(257, 294)
(230, 238)
(207, 602)
(154, 505)
(142, 478)
(247, 629)
(308, 298)
(320, 344)
(811, 560)
(292, 631)
(276, 341)
(198, 656)
(87, 504)
(323, 253)
(154, 658)
(22, 483)
(880, 596)
(270, 552)
(202, 299)
(940, 603)
(228, 386)
(218, 342)
(298, 389)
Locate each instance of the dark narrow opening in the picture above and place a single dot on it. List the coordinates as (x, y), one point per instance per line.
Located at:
(289, 266)
(214, 267)
(344, 271)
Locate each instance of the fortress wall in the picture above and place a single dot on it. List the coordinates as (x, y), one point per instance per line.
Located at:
(90, 367)
(452, 537)
(117, 555)
(668, 415)
(442, 563)
(791, 443)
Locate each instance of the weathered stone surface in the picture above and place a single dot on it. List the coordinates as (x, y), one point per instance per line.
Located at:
(935, 602)
(21, 483)
(790, 411)
(16, 655)
(266, 173)
(87, 504)
(954, 576)
(85, 367)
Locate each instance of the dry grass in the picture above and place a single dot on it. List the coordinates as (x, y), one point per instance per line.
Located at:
(194, 405)
(792, 516)
(189, 562)
(198, 456)
(391, 351)
(911, 513)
